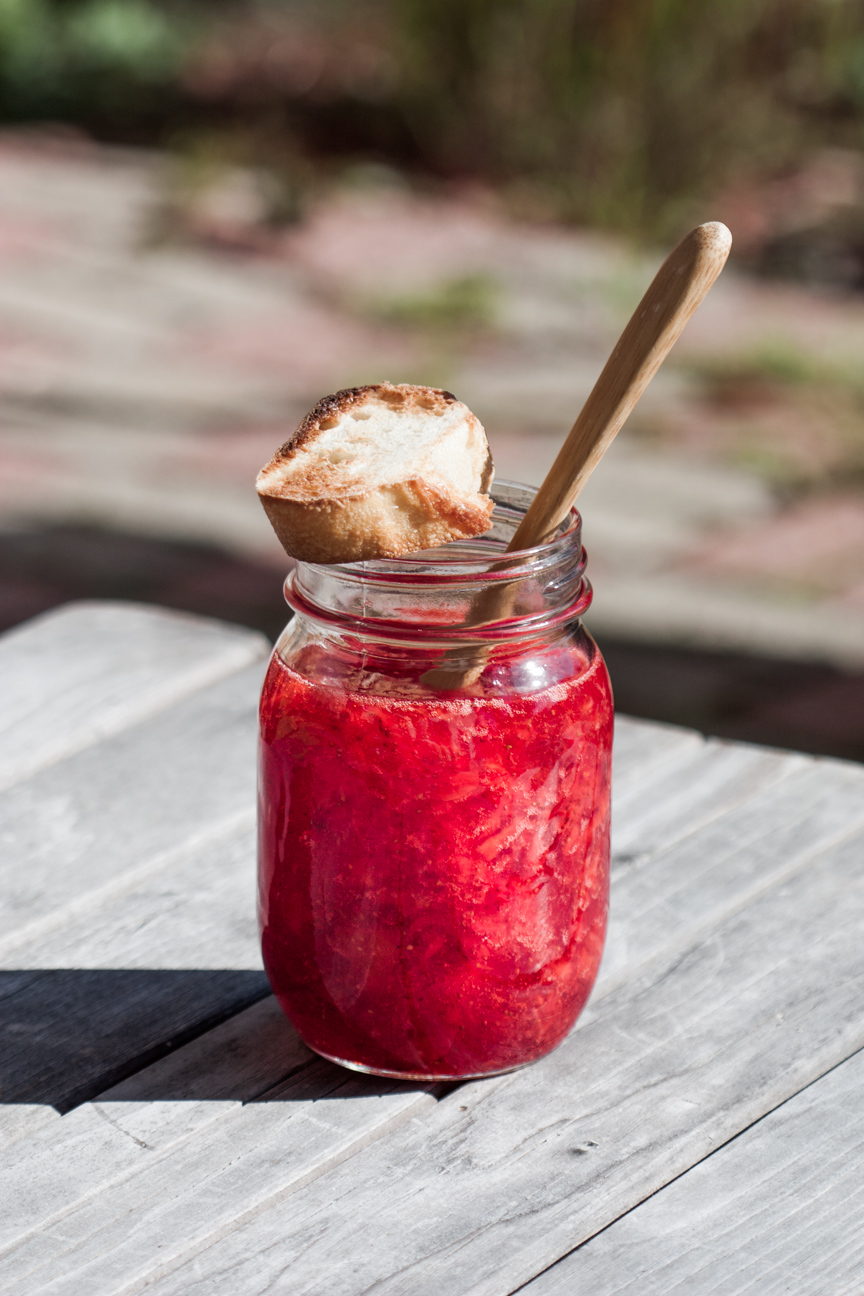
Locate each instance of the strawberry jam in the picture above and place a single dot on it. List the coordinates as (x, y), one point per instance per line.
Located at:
(434, 866)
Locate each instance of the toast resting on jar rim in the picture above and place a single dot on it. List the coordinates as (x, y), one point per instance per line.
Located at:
(378, 472)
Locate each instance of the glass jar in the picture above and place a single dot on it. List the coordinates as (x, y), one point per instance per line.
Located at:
(434, 861)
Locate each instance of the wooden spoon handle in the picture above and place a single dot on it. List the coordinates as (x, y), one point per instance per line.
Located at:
(655, 326)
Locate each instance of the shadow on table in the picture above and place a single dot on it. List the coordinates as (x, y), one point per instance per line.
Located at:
(809, 706)
(71, 1034)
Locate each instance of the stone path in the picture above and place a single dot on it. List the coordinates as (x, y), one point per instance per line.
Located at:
(144, 381)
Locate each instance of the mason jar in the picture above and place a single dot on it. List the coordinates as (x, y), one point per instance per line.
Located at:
(435, 755)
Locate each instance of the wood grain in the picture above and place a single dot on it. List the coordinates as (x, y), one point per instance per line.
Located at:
(641, 746)
(499, 1181)
(239, 1158)
(777, 1210)
(86, 827)
(88, 670)
(67, 680)
(705, 781)
(124, 928)
(149, 923)
(729, 861)
(106, 1243)
(117, 988)
(168, 1181)
(128, 914)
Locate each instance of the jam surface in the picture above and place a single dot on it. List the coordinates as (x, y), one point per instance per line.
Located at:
(433, 871)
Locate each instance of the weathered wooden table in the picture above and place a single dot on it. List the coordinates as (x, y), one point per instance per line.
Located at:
(163, 1129)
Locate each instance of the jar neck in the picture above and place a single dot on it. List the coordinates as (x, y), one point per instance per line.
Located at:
(461, 593)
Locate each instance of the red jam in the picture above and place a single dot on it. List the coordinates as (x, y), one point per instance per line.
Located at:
(434, 869)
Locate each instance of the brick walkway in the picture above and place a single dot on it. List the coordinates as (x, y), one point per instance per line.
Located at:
(145, 381)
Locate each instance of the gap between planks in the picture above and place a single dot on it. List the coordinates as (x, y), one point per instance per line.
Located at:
(700, 1047)
(779, 1203)
(758, 766)
(80, 829)
(156, 807)
(672, 757)
(84, 931)
(487, 1089)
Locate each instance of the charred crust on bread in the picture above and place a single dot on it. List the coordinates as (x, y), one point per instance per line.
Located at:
(329, 407)
(327, 506)
(400, 396)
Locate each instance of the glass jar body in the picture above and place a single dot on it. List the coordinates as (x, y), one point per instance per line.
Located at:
(433, 868)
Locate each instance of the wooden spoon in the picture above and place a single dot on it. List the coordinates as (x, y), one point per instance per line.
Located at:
(655, 326)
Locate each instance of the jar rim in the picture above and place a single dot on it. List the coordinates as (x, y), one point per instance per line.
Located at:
(489, 561)
(436, 594)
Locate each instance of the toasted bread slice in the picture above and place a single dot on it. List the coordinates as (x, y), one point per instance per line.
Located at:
(378, 472)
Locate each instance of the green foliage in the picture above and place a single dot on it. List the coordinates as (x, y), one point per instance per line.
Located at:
(629, 113)
(455, 306)
(131, 36)
(61, 59)
(820, 443)
(625, 112)
(779, 363)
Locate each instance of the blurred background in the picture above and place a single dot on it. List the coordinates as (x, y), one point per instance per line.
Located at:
(213, 213)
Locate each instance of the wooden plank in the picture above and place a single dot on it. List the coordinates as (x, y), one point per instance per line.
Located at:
(79, 1011)
(87, 827)
(104, 1242)
(677, 799)
(499, 1181)
(164, 1105)
(236, 1062)
(191, 913)
(157, 965)
(130, 909)
(148, 927)
(278, 1137)
(777, 1210)
(729, 860)
(21, 1120)
(642, 745)
(86, 670)
(155, 936)
(66, 946)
